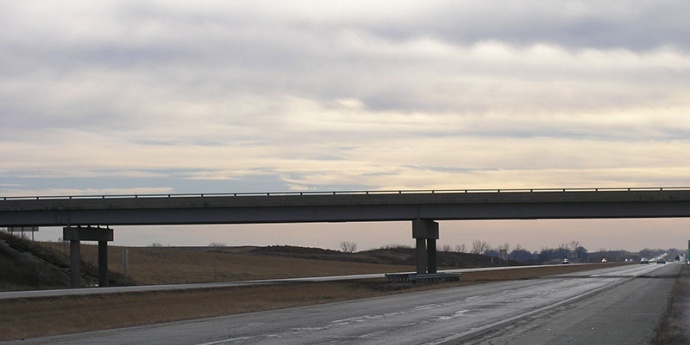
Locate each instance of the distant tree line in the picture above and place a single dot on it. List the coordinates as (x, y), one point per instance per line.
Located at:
(572, 250)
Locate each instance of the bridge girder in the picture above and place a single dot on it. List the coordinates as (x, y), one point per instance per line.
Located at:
(343, 208)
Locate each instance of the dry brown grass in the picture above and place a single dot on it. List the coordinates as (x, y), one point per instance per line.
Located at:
(24, 318)
(174, 265)
(27, 318)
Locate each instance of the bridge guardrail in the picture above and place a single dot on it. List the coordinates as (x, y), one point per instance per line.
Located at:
(354, 192)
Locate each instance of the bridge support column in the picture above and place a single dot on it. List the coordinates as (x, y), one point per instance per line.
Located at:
(77, 234)
(75, 263)
(420, 256)
(103, 263)
(426, 233)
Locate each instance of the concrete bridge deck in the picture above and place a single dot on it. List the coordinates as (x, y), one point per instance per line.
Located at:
(355, 206)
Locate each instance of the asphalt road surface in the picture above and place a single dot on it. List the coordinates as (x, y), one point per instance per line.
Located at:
(619, 305)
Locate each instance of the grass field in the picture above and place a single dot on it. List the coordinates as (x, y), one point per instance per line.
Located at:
(179, 265)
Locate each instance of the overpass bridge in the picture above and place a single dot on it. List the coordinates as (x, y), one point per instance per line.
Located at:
(90, 217)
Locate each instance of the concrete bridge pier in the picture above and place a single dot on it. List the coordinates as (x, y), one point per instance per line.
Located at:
(426, 233)
(77, 234)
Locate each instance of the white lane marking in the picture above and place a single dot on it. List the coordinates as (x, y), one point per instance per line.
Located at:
(365, 318)
(372, 335)
(458, 313)
(225, 341)
(474, 298)
(426, 306)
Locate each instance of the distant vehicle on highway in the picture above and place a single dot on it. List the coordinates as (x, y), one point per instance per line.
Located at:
(661, 261)
(644, 261)
(603, 260)
(565, 261)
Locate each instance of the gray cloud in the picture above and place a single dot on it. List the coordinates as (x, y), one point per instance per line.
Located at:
(204, 53)
(132, 97)
(638, 26)
(320, 94)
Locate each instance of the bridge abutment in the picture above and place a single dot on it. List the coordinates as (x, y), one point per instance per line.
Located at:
(77, 234)
(425, 232)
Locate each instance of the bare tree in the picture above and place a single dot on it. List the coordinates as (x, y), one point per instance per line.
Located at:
(480, 247)
(461, 248)
(504, 246)
(348, 247)
(446, 248)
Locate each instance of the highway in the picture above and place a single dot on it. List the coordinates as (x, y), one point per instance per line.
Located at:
(619, 305)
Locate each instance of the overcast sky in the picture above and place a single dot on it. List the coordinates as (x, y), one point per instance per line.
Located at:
(125, 97)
